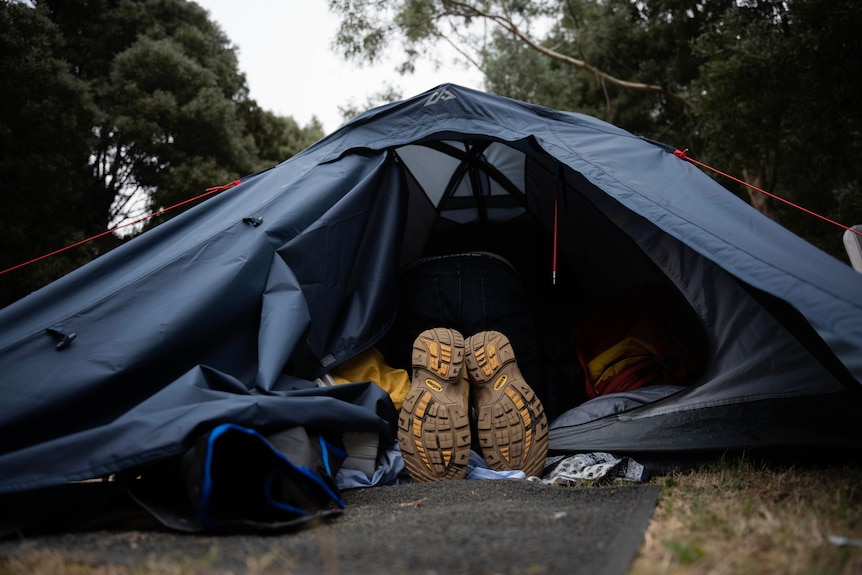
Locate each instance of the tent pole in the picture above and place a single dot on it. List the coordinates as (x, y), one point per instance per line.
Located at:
(556, 224)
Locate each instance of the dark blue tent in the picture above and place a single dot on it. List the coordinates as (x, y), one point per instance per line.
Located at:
(226, 313)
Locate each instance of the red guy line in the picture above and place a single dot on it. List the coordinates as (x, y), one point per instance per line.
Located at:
(683, 154)
(208, 192)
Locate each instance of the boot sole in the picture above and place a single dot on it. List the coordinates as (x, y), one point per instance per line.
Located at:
(434, 426)
(513, 427)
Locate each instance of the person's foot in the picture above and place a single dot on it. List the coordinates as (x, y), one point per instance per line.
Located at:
(434, 425)
(513, 427)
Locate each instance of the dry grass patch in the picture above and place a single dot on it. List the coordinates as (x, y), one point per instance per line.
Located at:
(47, 564)
(737, 516)
(43, 563)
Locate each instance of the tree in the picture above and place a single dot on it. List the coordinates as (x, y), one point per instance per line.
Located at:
(113, 109)
(277, 138)
(45, 143)
(168, 91)
(779, 103)
(386, 95)
(643, 43)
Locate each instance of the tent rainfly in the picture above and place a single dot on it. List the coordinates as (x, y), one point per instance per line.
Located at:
(229, 312)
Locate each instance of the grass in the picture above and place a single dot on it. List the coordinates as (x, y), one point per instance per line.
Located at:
(737, 516)
(734, 516)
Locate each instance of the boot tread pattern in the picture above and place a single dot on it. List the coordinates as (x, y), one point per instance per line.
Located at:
(434, 427)
(512, 426)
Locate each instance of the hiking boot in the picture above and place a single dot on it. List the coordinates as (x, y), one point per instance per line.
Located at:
(434, 424)
(513, 427)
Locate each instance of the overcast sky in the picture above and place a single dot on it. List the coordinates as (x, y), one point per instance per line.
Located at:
(285, 51)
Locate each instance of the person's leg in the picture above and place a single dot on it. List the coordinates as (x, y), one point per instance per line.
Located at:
(502, 357)
(493, 298)
(470, 293)
(477, 295)
(428, 292)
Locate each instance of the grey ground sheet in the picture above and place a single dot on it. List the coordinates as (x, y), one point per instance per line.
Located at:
(505, 527)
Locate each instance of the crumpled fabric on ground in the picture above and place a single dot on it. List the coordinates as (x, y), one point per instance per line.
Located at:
(391, 471)
(370, 365)
(571, 470)
(478, 469)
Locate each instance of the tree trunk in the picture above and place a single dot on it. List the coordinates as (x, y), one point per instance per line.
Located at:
(759, 201)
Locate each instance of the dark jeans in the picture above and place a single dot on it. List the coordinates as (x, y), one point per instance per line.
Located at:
(471, 293)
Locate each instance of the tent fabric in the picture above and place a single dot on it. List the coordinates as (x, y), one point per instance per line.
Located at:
(229, 311)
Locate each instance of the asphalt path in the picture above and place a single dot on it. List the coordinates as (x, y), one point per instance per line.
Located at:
(502, 527)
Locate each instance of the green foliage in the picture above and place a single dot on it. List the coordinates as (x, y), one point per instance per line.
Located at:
(364, 30)
(644, 43)
(387, 95)
(275, 137)
(778, 90)
(686, 552)
(112, 109)
(45, 142)
(168, 98)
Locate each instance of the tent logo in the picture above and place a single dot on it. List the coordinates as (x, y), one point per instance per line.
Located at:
(443, 94)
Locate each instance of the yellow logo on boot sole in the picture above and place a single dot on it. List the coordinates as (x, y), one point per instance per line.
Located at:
(501, 381)
(433, 385)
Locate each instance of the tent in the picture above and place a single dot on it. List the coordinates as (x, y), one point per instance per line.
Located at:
(227, 313)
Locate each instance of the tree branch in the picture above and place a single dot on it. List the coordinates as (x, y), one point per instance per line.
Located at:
(466, 10)
(458, 49)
